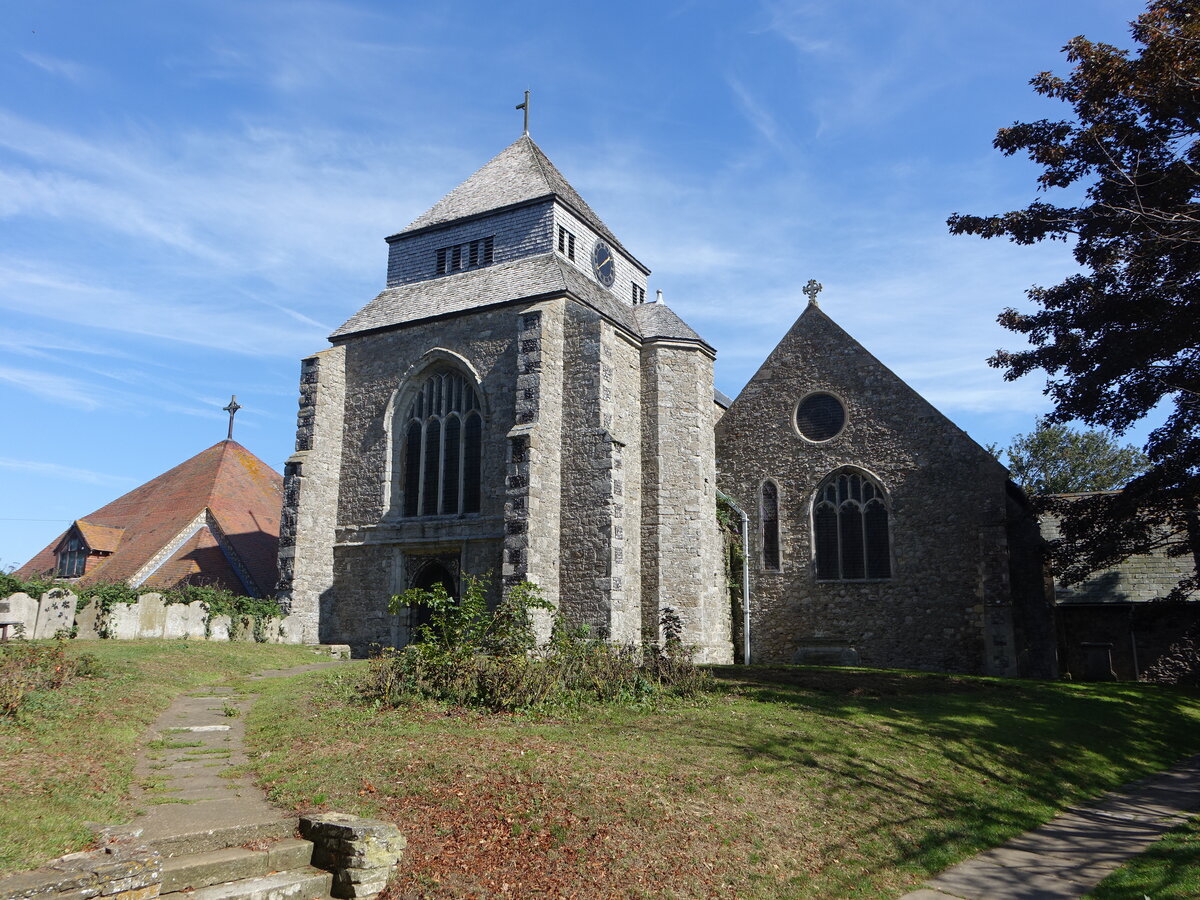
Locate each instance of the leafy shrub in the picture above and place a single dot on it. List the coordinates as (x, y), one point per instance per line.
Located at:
(27, 667)
(470, 655)
(1179, 665)
(34, 586)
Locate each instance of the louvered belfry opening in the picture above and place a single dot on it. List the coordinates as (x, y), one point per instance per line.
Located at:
(850, 529)
(441, 450)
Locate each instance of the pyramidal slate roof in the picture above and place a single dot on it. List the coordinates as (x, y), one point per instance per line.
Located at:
(519, 173)
(177, 516)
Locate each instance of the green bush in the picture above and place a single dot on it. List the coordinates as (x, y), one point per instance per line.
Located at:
(34, 586)
(470, 655)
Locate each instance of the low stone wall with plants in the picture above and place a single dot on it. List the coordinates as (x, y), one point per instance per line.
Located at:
(43, 609)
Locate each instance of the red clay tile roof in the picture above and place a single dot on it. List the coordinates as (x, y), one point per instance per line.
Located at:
(199, 559)
(243, 494)
(104, 538)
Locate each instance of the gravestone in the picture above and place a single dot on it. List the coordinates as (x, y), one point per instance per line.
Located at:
(87, 622)
(56, 613)
(21, 610)
(219, 628)
(288, 630)
(124, 621)
(185, 620)
(152, 616)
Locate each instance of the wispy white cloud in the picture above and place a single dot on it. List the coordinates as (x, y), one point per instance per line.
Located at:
(63, 68)
(755, 111)
(56, 471)
(216, 323)
(49, 386)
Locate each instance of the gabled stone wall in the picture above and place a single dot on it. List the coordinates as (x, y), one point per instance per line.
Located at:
(947, 605)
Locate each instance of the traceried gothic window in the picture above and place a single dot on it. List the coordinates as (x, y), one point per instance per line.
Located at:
(768, 510)
(850, 529)
(442, 448)
(72, 558)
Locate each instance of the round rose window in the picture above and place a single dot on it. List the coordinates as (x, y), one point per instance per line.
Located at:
(820, 417)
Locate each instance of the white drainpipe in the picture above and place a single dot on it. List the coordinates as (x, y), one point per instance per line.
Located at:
(745, 575)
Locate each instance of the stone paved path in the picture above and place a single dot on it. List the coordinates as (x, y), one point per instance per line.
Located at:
(1071, 854)
(185, 786)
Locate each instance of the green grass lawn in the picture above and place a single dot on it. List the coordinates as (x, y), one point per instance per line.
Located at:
(784, 783)
(67, 757)
(1169, 870)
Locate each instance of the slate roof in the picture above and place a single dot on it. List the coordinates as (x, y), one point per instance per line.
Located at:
(544, 275)
(519, 173)
(657, 320)
(244, 497)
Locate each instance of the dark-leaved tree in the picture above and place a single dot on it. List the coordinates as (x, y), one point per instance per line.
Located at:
(1056, 459)
(1121, 339)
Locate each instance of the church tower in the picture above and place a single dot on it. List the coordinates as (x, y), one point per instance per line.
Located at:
(509, 406)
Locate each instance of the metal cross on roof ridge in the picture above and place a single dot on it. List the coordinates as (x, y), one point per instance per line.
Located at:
(812, 289)
(232, 409)
(525, 106)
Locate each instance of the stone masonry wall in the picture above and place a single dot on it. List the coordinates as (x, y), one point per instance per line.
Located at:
(533, 484)
(621, 399)
(946, 606)
(310, 487)
(681, 555)
(374, 543)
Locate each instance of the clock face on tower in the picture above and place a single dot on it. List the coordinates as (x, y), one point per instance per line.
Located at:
(603, 264)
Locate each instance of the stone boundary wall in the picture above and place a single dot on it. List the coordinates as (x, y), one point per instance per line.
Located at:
(58, 611)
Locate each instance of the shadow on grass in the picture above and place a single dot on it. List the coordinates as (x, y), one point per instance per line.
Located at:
(1024, 749)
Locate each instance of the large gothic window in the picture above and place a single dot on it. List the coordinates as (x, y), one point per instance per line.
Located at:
(850, 529)
(441, 452)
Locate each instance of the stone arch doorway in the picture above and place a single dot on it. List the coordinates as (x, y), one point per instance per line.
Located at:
(427, 578)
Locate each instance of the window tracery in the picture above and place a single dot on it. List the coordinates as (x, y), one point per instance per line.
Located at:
(441, 450)
(851, 534)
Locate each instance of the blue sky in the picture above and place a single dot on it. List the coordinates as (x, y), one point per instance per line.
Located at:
(194, 194)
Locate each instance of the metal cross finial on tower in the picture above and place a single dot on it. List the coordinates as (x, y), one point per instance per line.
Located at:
(812, 289)
(525, 106)
(232, 409)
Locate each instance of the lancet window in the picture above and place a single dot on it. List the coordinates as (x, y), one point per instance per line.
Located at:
(768, 509)
(442, 449)
(850, 529)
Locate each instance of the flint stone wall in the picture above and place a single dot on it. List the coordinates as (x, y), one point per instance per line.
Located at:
(375, 548)
(947, 606)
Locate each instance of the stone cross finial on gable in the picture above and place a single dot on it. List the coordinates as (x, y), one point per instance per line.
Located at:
(232, 409)
(812, 289)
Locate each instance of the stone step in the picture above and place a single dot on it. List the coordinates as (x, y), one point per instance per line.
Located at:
(202, 840)
(297, 884)
(199, 870)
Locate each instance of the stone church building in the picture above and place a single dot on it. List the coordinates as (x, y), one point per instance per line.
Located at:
(511, 405)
